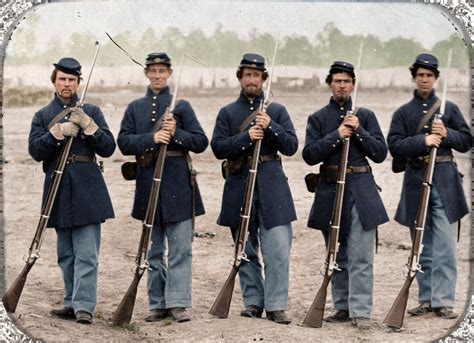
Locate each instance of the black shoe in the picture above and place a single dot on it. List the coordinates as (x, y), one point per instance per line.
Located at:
(421, 309)
(83, 317)
(252, 311)
(279, 317)
(157, 315)
(339, 317)
(445, 312)
(362, 323)
(180, 314)
(64, 313)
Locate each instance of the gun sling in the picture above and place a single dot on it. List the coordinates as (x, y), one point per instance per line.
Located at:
(234, 166)
(399, 163)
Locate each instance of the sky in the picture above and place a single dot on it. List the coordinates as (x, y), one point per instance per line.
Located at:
(425, 23)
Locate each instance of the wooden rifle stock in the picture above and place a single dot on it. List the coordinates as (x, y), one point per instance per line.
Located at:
(123, 313)
(396, 313)
(12, 295)
(221, 305)
(314, 317)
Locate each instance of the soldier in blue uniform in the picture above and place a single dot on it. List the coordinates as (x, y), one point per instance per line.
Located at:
(272, 209)
(82, 202)
(363, 209)
(169, 284)
(447, 203)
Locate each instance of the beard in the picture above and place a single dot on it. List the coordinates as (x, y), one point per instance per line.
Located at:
(341, 98)
(252, 91)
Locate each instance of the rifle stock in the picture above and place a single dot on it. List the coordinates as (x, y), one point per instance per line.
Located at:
(221, 305)
(124, 311)
(396, 313)
(314, 317)
(12, 295)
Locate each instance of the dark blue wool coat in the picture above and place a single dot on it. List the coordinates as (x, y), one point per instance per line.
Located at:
(276, 202)
(323, 144)
(404, 142)
(82, 197)
(136, 137)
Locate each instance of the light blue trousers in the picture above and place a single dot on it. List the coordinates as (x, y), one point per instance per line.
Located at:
(78, 255)
(437, 283)
(352, 287)
(169, 283)
(269, 291)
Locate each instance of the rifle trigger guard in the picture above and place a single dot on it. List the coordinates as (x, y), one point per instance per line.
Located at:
(243, 257)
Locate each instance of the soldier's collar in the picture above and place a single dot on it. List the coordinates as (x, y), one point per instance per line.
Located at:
(58, 100)
(246, 99)
(430, 97)
(164, 91)
(347, 105)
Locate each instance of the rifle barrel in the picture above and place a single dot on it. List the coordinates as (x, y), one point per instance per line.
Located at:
(12, 295)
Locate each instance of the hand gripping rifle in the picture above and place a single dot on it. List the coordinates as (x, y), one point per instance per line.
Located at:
(314, 317)
(396, 313)
(124, 311)
(12, 295)
(221, 305)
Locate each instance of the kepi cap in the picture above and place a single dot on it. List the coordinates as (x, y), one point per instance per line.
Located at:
(68, 65)
(158, 58)
(342, 67)
(425, 61)
(251, 60)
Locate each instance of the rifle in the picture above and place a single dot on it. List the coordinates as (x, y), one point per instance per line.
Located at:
(12, 295)
(396, 314)
(221, 305)
(314, 317)
(124, 311)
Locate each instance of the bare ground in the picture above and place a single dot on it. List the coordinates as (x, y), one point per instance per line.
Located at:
(120, 236)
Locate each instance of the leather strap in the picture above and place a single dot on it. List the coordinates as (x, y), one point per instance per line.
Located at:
(250, 118)
(58, 117)
(428, 115)
(81, 158)
(349, 170)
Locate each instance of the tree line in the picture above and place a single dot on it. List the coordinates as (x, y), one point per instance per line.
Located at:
(224, 48)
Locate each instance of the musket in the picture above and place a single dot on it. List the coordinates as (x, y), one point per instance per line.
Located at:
(221, 305)
(12, 295)
(314, 317)
(124, 311)
(396, 313)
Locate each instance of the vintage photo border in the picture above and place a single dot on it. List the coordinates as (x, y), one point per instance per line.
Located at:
(12, 12)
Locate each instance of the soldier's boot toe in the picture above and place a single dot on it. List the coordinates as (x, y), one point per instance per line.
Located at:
(252, 311)
(180, 314)
(64, 313)
(421, 309)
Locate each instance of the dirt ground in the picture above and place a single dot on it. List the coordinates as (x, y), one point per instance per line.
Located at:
(212, 247)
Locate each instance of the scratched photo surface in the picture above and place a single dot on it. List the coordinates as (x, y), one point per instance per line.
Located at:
(216, 35)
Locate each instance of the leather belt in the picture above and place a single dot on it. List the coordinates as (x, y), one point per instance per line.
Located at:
(415, 162)
(349, 170)
(173, 153)
(266, 158)
(81, 158)
(150, 157)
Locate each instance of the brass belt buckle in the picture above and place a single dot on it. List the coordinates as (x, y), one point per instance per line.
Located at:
(349, 170)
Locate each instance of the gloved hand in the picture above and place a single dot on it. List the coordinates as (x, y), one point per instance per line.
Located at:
(79, 117)
(86, 123)
(63, 130)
